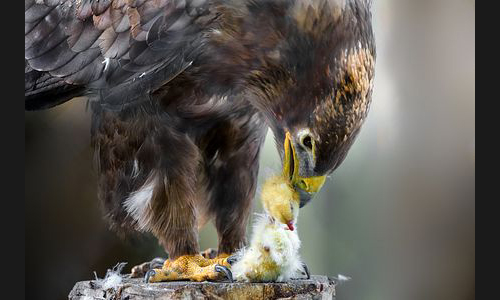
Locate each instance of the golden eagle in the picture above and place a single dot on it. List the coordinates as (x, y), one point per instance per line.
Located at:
(182, 93)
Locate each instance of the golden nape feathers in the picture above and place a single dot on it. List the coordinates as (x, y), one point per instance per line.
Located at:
(273, 253)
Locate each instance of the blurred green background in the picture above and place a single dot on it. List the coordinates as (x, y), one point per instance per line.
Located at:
(398, 216)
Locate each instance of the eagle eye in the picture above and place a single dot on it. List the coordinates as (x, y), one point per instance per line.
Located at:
(307, 142)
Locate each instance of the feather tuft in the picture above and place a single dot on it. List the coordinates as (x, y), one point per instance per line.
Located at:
(112, 279)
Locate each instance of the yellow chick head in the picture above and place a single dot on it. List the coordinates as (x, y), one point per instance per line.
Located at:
(280, 200)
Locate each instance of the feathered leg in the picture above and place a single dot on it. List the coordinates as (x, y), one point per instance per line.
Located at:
(148, 181)
(234, 202)
(232, 178)
(173, 217)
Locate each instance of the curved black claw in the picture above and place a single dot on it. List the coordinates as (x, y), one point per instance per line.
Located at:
(148, 275)
(226, 271)
(231, 259)
(157, 263)
(142, 269)
(306, 269)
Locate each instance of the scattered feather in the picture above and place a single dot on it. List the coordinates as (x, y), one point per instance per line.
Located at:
(342, 278)
(112, 279)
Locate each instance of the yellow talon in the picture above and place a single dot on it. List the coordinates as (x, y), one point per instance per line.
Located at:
(191, 267)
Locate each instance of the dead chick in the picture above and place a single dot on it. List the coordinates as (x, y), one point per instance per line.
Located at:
(273, 253)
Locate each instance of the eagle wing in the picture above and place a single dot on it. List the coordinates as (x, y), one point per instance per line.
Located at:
(117, 49)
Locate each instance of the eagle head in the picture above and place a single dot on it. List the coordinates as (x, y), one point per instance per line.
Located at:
(315, 83)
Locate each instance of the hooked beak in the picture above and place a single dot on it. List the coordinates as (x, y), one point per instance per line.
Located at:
(306, 187)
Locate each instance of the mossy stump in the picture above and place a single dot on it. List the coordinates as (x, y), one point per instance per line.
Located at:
(318, 287)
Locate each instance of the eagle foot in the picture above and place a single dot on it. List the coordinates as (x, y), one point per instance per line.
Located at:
(191, 267)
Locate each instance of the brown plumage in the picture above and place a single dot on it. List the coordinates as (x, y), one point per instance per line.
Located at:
(182, 94)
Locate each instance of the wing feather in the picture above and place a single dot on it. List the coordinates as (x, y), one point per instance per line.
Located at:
(122, 47)
(98, 7)
(80, 61)
(36, 12)
(84, 37)
(114, 45)
(53, 58)
(39, 30)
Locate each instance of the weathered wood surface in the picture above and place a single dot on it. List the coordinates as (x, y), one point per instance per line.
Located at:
(318, 287)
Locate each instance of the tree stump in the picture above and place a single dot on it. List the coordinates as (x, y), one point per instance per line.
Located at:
(318, 287)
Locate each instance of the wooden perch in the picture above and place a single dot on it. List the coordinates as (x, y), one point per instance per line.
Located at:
(318, 287)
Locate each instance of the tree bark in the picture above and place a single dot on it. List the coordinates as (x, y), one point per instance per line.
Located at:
(318, 287)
